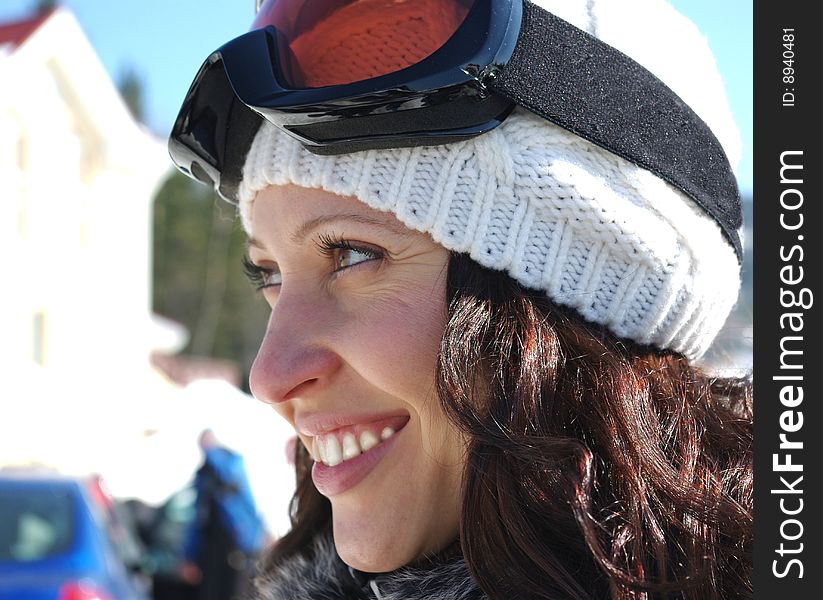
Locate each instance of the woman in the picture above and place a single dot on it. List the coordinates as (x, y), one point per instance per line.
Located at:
(487, 299)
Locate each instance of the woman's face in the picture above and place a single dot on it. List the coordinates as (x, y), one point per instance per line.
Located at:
(357, 312)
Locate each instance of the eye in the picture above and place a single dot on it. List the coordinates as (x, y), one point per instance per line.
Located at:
(347, 257)
(261, 277)
(346, 254)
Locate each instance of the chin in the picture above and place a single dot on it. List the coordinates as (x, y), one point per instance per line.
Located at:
(369, 564)
(372, 555)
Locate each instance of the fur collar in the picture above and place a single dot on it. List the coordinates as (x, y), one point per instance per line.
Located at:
(327, 577)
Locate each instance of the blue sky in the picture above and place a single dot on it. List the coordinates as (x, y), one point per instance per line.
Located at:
(164, 42)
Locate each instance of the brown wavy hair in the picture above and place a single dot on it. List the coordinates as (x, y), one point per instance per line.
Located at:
(596, 467)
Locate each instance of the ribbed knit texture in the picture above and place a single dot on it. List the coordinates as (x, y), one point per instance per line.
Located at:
(596, 233)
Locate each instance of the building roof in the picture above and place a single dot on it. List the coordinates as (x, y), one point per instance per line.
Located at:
(15, 33)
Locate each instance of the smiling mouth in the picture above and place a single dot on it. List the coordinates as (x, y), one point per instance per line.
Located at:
(346, 443)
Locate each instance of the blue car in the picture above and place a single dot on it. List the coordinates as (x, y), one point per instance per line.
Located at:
(59, 542)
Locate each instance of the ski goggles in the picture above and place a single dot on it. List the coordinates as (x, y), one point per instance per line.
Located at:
(350, 75)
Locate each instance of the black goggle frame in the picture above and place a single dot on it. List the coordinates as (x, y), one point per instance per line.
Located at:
(505, 53)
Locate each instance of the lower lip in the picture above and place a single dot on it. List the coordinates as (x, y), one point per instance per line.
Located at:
(331, 481)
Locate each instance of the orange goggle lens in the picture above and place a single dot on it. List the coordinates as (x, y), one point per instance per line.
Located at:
(336, 42)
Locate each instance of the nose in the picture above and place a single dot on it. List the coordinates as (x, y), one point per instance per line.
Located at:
(295, 354)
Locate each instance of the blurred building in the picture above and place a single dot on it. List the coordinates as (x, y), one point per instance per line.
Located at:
(78, 174)
(78, 390)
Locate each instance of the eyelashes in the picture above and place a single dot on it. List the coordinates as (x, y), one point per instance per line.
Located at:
(256, 274)
(342, 253)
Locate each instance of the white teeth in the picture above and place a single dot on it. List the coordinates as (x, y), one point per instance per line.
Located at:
(368, 440)
(328, 449)
(332, 451)
(318, 454)
(350, 446)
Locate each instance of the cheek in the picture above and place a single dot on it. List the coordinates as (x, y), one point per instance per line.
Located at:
(398, 342)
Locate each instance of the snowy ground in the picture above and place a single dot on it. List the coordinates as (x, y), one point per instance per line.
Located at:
(151, 451)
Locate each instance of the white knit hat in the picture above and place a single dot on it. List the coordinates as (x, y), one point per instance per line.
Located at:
(599, 234)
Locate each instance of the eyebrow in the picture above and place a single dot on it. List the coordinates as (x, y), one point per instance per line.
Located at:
(299, 235)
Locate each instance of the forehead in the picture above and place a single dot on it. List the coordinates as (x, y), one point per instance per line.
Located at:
(293, 210)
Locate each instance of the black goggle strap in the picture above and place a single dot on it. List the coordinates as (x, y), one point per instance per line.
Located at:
(600, 94)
